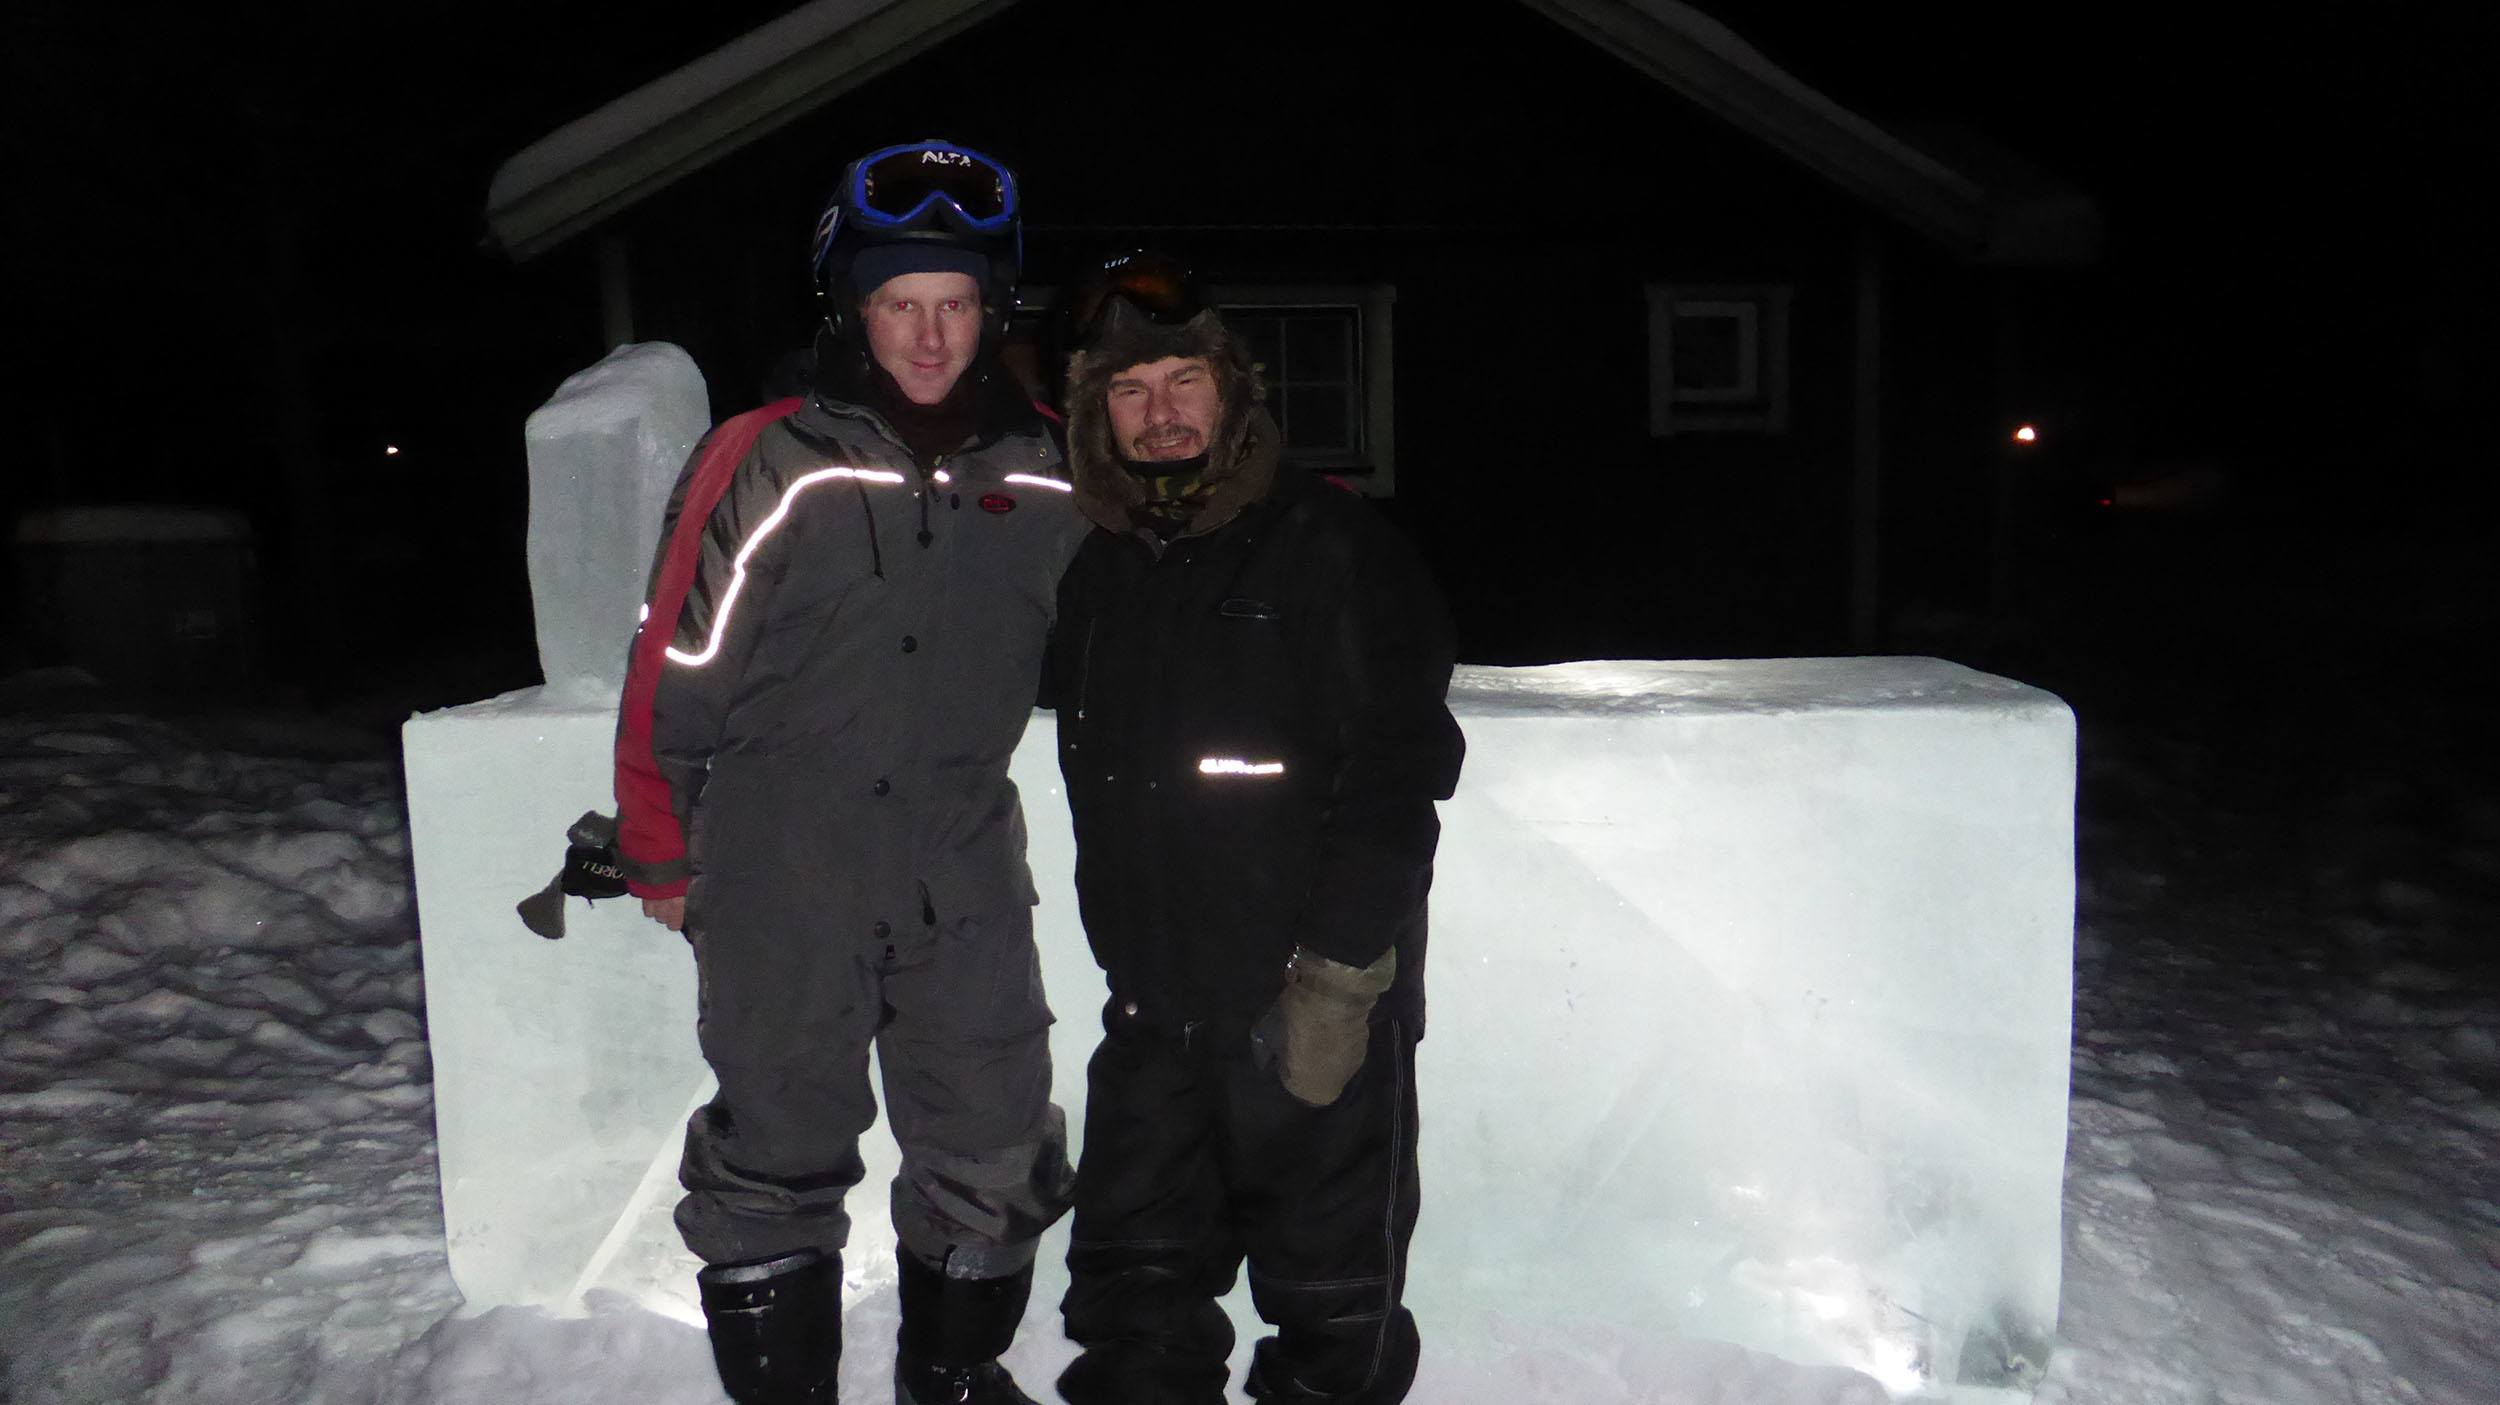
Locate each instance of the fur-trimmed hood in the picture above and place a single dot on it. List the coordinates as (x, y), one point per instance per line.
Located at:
(1241, 462)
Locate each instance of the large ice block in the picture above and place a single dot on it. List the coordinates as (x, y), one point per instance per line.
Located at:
(1749, 984)
(603, 454)
(1760, 977)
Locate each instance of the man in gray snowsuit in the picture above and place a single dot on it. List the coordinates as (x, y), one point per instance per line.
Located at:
(842, 648)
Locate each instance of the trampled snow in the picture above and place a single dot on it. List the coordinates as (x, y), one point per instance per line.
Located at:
(216, 1141)
(603, 454)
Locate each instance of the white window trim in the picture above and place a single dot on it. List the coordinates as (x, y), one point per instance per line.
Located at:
(1760, 403)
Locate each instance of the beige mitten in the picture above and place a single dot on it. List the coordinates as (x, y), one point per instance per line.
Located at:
(1321, 1024)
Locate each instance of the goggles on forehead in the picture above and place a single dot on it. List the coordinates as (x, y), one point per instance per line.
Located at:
(1155, 284)
(909, 187)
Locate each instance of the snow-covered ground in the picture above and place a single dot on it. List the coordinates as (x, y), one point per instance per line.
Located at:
(216, 1156)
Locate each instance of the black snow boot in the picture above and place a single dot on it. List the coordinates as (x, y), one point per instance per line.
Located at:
(953, 1331)
(776, 1327)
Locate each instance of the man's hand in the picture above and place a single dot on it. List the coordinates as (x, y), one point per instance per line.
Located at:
(1320, 1027)
(668, 912)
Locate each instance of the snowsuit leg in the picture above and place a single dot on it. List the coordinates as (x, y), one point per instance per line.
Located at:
(785, 1025)
(965, 1053)
(1152, 1248)
(1196, 1156)
(956, 1013)
(1327, 1199)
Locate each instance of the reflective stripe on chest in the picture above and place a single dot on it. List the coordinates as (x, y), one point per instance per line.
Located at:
(754, 540)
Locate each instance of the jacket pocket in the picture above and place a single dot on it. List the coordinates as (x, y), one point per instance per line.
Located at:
(1241, 607)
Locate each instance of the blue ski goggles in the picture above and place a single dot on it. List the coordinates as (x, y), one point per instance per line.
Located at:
(902, 188)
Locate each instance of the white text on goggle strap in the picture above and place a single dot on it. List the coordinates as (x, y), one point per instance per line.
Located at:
(755, 539)
(1235, 766)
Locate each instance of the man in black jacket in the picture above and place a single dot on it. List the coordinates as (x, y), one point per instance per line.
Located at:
(1249, 670)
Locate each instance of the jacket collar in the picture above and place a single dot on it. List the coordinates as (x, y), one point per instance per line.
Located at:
(1001, 407)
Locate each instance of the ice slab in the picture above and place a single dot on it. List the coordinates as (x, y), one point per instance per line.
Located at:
(1750, 989)
(603, 453)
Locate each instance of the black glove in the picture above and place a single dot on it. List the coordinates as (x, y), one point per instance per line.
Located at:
(590, 871)
(1317, 1032)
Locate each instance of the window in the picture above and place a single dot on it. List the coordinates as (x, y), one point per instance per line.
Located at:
(1718, 358)
(1313, 372)
(1324, 352)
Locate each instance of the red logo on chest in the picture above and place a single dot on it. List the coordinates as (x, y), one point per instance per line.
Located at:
(997, 502)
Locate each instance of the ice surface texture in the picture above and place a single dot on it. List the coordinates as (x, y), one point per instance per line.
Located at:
(1750, 988)
(1750, 1006)
(603, 454)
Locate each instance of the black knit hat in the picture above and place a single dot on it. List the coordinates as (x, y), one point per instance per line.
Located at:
(873, 267)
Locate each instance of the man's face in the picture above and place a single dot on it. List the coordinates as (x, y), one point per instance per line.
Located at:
(923, 329)
(1167, 409)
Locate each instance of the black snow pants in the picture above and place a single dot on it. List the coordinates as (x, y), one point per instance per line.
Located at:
(1196, 1157)
(961, 1030)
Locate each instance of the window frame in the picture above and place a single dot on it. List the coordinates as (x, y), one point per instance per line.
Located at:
(1373, 468)
(1758, 403)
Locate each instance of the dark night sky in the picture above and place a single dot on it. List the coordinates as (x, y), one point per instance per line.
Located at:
(2299, 265)
(2269, 182)
(2301, 190)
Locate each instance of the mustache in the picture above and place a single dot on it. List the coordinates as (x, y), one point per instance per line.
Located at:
(1164, 435)
(1171, 442)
